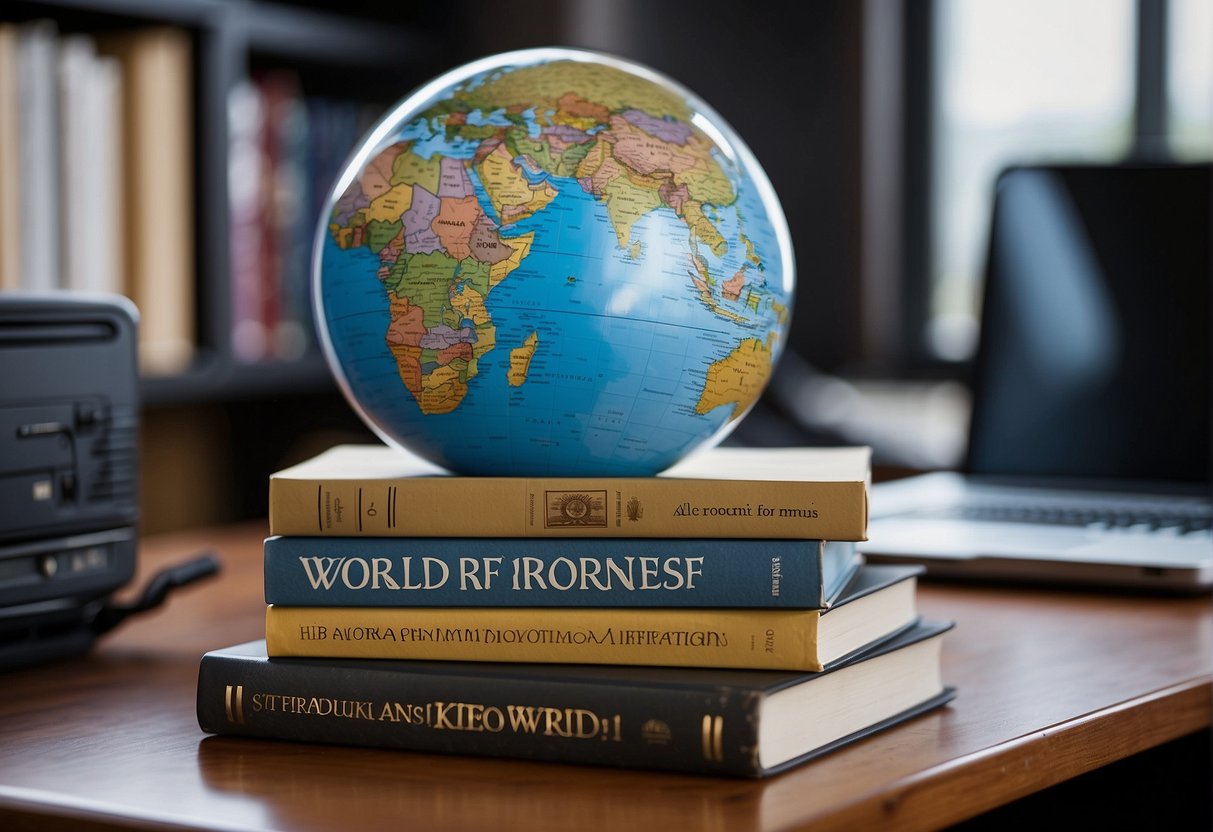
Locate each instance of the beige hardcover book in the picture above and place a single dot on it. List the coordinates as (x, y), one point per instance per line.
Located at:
(802, 493)
(763, 639)
(10, 162)
(157, 129)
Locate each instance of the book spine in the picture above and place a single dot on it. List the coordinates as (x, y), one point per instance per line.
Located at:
(158, 130)
(39, 149)
(708, 730)
(245, 222)
(624, 507)
(11, 127)
(754, 639)
(519, 572)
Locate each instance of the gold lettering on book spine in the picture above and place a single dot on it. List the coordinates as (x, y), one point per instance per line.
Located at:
(233, 703)
(712, 735)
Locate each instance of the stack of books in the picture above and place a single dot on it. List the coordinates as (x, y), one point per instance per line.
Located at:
(716, 618)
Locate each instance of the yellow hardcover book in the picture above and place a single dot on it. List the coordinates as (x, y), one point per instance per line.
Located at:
(373, 490)
(879, 604)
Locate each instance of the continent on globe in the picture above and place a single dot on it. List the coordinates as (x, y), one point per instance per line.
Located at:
(512, 194)
(736, 379)
(520, 359)
(475, 201)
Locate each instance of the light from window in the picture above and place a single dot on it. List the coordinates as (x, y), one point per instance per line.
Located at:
(1029, 81)
(1190, 79)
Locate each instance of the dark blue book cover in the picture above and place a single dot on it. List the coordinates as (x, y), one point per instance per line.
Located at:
(556, 572)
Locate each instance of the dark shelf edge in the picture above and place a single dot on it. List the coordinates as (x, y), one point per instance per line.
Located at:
(210, 380)
(179, 12)
(312, 35)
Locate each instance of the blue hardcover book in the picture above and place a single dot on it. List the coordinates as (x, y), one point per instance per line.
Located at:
(556, 572)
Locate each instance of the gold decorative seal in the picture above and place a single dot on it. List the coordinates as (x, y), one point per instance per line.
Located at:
(581, 509)
(656, 732)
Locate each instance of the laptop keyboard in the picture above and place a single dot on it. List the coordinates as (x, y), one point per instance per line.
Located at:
(1196, 519)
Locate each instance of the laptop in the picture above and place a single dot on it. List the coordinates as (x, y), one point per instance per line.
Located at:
(1088, 453)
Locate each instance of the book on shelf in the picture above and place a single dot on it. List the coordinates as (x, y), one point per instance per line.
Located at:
(90, 168)
(276, 90)
(267, 141)
(246, 182)
(292, 140)
(38, 149)
(726, 722)
(10, 160)
(285, 147)
(61, 168)
(879, 602)
(724, 492)
(157, 129)
(556, 572)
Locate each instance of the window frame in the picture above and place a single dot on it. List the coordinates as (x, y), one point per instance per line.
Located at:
(897, 341)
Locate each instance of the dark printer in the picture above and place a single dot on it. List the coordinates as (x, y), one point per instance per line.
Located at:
(69, 424)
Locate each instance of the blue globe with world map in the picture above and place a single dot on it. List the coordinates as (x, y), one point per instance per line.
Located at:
(552, 263)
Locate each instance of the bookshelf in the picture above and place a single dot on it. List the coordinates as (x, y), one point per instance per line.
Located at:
(218, 417)
(198, 289)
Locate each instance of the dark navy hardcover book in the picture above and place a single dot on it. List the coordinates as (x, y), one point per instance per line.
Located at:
(727, 722)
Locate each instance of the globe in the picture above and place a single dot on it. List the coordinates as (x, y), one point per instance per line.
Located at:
(552, 262)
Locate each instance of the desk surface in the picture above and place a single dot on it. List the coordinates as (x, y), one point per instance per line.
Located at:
(1052, 685)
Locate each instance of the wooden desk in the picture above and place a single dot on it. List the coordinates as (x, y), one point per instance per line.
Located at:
(1052, 685)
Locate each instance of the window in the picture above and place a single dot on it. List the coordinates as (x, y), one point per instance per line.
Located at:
(1190, 79)
(1036, 81)
(1014, 82)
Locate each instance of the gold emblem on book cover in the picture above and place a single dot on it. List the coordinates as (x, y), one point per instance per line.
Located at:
(575, 508)
(656, 732)
(635, 510)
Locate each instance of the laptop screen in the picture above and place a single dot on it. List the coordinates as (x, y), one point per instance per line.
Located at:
(1095, 341)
